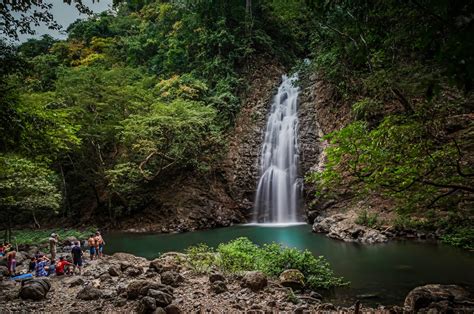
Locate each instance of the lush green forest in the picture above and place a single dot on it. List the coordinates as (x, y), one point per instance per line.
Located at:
(137, 95)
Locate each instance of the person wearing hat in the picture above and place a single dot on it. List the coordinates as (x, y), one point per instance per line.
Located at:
(53, 244)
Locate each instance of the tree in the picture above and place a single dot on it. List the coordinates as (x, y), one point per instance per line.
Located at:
(18, 16)
(26, 188)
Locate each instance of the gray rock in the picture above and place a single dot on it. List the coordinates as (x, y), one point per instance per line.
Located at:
(342, 227)
(171, 278)
(254, 280)
(147, 305)
(439, 298)
(35, 289)
(135, 287)
(133, 271)
(89, 293)
(218, 287)
(162, 298)
(115, 271)
(159, 310)
(75, 281)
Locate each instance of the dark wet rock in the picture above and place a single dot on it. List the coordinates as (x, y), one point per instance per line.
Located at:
(35, 289)
(133, 271)
(439, 298)
(171, 278)
(216, 277)
(162, 298)
(292, 278)
(105, 277)
(147, 305)
(120, 302)
(135, 287)
(218, 287)
(75, 281)
(172, 309)
(254, 280)
(115, 271)
(89, 293)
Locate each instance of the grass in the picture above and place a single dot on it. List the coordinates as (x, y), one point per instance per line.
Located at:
(35, 237)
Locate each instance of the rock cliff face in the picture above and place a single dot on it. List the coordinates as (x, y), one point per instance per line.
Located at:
(245, 140)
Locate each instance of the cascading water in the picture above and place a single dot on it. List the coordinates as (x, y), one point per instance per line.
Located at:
(279, 187)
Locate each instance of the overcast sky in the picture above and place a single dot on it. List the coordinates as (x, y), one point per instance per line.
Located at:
(65, 14)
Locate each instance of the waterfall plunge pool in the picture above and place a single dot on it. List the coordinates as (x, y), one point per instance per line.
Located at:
(387, 272)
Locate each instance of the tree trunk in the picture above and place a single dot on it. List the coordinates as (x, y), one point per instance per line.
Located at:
(37, 225)
(66, 204)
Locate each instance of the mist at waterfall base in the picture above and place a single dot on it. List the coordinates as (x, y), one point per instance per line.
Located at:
(277, 198)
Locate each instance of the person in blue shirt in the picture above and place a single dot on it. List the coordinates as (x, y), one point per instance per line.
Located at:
(42, 267)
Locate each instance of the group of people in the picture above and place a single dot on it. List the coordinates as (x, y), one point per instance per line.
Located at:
(96, 245)
(40, 265)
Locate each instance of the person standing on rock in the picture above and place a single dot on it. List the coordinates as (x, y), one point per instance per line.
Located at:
(76, 253)
(11, 262)
(92, 245)
(99, 244)
(53, 244)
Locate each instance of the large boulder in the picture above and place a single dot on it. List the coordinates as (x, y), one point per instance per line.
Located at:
(438, 298)
(171, 278)
(114, 271)
(139, 288)
(35, 289)
(89, 293)
(254, 280)
(131, 259)
(171, 261)
(343, 227)
(292, 278)
(162, 298)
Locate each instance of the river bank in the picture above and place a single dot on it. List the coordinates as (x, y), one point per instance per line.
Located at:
(126, 283)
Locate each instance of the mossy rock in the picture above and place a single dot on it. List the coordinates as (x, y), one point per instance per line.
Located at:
(292, 278)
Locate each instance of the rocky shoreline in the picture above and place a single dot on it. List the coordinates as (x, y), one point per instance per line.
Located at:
(126, 283)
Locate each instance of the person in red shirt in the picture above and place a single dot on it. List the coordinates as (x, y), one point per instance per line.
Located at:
(62, 267)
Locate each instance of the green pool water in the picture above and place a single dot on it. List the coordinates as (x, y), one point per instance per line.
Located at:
(385, 271)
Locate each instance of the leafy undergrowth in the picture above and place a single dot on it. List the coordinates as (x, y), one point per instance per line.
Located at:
(241, 255)
(35, 237)
(462, 237)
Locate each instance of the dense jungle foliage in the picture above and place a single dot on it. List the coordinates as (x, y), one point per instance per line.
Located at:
(150, 89)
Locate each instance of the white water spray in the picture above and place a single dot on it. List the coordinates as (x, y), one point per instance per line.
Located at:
(279, 188)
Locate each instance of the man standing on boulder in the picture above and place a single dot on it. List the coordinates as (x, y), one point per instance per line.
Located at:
(76, 253)
(53, 243)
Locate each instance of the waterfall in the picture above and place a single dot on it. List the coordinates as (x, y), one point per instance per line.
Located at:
(278, 191)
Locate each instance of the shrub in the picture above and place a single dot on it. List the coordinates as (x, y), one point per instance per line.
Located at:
(461, 237)
(272, 259)
(201, 258)
(367, 219)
